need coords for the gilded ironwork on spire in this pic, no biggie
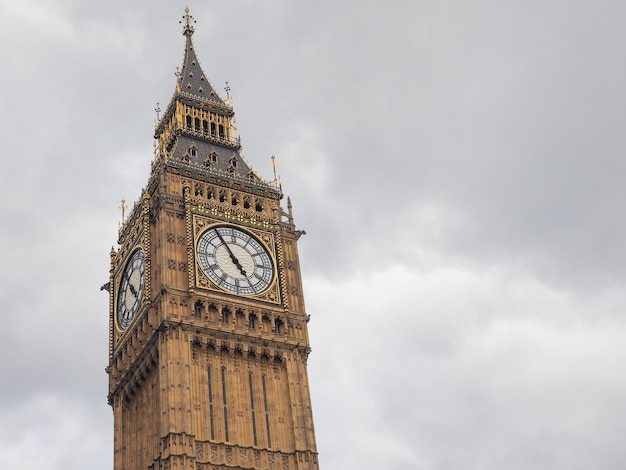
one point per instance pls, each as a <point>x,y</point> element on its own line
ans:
<point>188,29</point>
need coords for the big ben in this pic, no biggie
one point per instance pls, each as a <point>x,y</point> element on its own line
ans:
<point>208,329</point>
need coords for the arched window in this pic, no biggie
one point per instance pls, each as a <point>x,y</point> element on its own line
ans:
<point>266,324</point>
<point>279,326</point>
<point>240,318</point>
<point>225,315</point>
<point>213,312</point>
<point>197,309</point>
<point>252,321</point>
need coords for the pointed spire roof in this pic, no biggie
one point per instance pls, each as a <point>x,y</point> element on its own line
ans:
<point>197,132</point>
<point>191,78</point>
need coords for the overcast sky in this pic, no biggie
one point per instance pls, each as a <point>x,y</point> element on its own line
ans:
<point>457,165</point>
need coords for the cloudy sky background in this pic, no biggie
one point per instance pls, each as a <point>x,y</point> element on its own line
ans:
<point>458,168</point>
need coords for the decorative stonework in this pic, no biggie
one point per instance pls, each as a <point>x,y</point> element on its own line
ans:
<point>230,367</point>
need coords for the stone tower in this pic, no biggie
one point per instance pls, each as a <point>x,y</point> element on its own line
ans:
<point>208,330</point>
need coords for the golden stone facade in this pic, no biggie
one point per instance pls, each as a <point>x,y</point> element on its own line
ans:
<point>208,330</point>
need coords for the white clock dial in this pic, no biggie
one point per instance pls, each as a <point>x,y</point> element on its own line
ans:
<point>131,289</point>
<point>235,260</point>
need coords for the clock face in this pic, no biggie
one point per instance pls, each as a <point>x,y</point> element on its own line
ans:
<point>131,289</point>
<point>235,260</point>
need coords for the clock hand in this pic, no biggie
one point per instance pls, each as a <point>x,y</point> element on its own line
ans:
<point>233,258</point>
<point>133,293</point>
<point>132,289</point>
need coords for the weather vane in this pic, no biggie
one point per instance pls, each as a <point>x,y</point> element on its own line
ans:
<point>123,208</point>
<point>227,88</point>
<point>273,164</point>
<point>158,110</point>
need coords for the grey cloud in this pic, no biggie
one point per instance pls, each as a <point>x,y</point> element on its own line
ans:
<point>457,168</point>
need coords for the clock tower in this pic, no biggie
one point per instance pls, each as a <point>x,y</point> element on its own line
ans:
<point>208,330</point>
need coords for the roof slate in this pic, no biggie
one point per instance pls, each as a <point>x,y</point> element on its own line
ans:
<point>192,79</point>
<point>203,150</point>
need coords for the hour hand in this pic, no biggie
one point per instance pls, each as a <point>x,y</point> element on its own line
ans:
<point>237,263</point>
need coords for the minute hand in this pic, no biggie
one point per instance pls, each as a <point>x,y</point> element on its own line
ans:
<point>233,258</point>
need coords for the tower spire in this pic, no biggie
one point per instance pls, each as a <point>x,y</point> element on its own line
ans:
<point>190,77</point>
<point>198,128</point>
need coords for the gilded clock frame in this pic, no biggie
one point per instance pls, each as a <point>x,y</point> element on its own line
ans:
<point>117,281</point>
<point>264,237</point>
<point>120,280</point>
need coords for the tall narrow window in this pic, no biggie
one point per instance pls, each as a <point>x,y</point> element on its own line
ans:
<point>252,408</point>
<point>252,321</point>
<point>279,326</point>
<point>225,315</point>
<point>197,311</point>
<point>226,438</point>
<point>211,407</point>
<point>267,414</point>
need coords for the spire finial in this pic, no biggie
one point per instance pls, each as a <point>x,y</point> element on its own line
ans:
<point>188,28</point>
<point>289,210</point>
<point>123,208</point>
<point>276,178</point>
<point>273,165</point>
